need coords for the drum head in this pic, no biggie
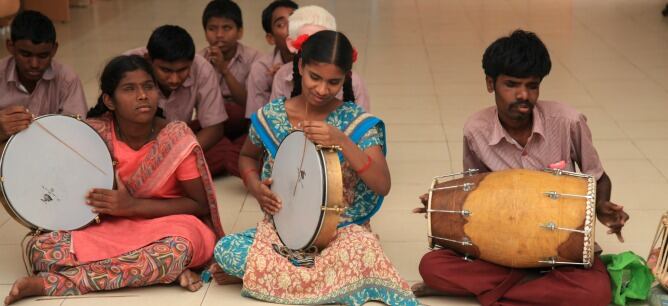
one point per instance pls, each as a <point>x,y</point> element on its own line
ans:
<point>303,193</point>
<point>45,182</point>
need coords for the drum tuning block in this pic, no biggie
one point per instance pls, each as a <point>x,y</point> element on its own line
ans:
<point>335,209</point>
<point>563,172</point>
<point>466,187</point>
<point>465,241</point>
<point>464,213</point>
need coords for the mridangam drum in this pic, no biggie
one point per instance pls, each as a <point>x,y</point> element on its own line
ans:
<point>48,169</point>
<point>515,218</point>
<point>658,254</point>
<point>307,178</point>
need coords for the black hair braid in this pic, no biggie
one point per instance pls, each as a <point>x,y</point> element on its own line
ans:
<point>348,93</point>
<point>296,77</point>
<point>99,109</point>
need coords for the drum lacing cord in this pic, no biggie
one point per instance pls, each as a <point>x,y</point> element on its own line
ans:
<point>24,251</point>
<point>299,258</point>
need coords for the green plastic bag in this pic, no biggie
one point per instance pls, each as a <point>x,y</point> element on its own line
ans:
<point>629,276</point>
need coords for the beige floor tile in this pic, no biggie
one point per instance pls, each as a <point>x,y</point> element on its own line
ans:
<point>617,149</point>
<point>416,172</point>
<point>153,295</point>
<point>633,171</point>
<point>11,264</point>
<point>653,149</point>
<point>449,300</point>
<point>11,232</point>
<point>415,132</point>
<point>662,165</point>
<point>641,196</point>
<point>626,92</point>
<point>422,151</point>
<point>602,124</point>
<point>384,102</point>
<point>246,220</point>
<point>600,69</point>
<point>404,90</point>
<point>640,130</point>
<point>404,197</point>
<point>632,112</point>
<point>405,256</point>
<point>413,226</point>
<point>415,116</point>
<point>228,295</point>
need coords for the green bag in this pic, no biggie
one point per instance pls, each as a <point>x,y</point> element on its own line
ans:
<point>629,276</point>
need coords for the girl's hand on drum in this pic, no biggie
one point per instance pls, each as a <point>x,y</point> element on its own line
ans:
<point>13,119</point>
<point>269,201</point>
<point>323,134</point>
<point>612,216</point>
<point>117,202</point>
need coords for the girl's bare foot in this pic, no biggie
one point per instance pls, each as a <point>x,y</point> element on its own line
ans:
<point>421,289</point>
<point>25,287</point>
<point>221,277</point>
<point>190,280</point>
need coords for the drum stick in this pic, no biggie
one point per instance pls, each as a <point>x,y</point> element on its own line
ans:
<point>73,297</point>
<point>68,146</point>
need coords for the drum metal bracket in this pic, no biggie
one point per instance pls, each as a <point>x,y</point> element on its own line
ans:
<point>558,172</point>
<point>553,227</point>
<point>464,213</point>
<point>468,172</point>
<point>555,195</point>
<point>329,148</point>
<point>553,261</point>
<point>465,241</point>
<point>466,187</point>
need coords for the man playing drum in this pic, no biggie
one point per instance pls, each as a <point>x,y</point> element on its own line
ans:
<point>31,82</point>
<point>524,132</point>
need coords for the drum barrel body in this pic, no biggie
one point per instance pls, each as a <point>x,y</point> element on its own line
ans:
<point>334,204</point>
<point>510,219</point>
<point>309,182</point>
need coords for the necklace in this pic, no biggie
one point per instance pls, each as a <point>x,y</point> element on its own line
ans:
<point>121,137</point>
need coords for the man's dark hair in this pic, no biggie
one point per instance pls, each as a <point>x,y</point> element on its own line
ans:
<point>269,11</point>
<point>171,43</point>
<point>33,26</point>
<point>223,9</point>
<point>520,55</point>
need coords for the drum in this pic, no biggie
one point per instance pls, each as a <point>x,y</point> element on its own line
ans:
<point>658,255</point>
<point>307,178</point>
<point>48,169</point>
<point>516,218</point>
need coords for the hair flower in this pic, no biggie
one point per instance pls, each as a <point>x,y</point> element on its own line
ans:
<point>297,43</point>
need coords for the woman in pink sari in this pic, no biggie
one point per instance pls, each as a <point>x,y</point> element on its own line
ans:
<point>159,221</point>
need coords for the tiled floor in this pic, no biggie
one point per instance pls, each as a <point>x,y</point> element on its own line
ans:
<point>421,62</point>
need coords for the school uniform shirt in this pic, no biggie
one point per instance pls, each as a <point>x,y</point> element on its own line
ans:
<point>199,93</point>
<point>58,92</point>
<point>259,82</point>
<point>239,66</point>
<point>282,87</point>
<point>559,133</point>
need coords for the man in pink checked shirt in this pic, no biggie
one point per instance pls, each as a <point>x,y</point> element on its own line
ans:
<point>524,132</point>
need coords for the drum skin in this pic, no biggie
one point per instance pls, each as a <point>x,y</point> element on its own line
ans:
<point>507,210</point>
<point>48,169</point>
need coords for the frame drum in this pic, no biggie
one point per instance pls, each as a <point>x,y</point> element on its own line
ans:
<point>308,181</point>
<point>48,169</point>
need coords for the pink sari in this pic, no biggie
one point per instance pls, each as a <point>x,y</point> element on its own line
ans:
<point>116,235</point>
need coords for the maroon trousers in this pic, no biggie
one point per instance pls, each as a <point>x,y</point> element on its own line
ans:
<point>447,271</point>
<point>223,157</point>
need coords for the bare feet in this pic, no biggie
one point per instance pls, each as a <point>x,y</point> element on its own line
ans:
<point>221,277</point>
<point>190,280</point>
<point>25,287</point>
<point>421,289</point>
